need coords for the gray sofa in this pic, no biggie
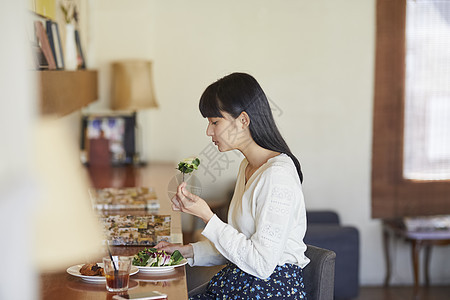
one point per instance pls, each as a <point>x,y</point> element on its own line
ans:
<point>325,231</point>
<point>318,275</point>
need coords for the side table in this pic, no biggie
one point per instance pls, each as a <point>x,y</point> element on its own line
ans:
<point>418,239</point>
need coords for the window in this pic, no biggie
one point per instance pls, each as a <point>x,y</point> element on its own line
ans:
<point>427,90</point>
<point>411,128</point>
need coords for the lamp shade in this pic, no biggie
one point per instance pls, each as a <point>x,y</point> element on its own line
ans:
<point>132,85</point>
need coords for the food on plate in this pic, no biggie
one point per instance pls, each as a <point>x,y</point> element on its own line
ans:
<point>188,165</point>
<point>150,257</point>
<point>92,270</point>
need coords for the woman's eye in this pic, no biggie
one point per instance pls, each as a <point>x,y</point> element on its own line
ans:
<point>214,123</point>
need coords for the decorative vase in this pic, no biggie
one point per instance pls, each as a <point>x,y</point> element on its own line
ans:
<point>71,48</point>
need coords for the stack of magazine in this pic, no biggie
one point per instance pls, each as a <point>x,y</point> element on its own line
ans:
<point>136,230</point>
<point>429,223</point>
<point>133,198</point>
<point>146,228</point>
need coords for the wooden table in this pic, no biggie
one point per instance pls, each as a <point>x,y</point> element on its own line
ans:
<point>62,285</point>
<point>418,239</point>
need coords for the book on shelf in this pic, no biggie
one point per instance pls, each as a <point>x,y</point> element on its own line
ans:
<point>41,35</point>
<point>38,58</point>
<point>81,60</point>
<point>55,43</point>
<point>48,30</point>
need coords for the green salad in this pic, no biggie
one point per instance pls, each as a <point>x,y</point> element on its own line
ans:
<point>188,165</point>
<point>150,257</point>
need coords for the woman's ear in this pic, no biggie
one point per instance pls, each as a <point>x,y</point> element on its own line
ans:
<point>244,119</point>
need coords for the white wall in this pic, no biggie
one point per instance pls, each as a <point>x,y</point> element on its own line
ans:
<point>315,60</point>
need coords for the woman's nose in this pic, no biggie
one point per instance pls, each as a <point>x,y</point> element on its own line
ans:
<point>209,131</point>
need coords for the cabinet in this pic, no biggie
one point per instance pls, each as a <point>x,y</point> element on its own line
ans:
<point>63,92</point>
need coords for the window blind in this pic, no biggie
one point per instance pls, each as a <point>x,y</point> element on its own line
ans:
<point>427,91</point>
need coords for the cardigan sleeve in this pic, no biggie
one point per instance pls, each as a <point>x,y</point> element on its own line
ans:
<point>274,202</point>
<point>205,254</point>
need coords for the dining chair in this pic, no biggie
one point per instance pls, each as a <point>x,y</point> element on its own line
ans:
<point>198,278</point>
<point>318,275</point>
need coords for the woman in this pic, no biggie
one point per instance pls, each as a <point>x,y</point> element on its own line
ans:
<point>262,243</point>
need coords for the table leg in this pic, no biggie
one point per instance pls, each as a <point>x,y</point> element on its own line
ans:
<point>427,264</point>
<point>416,245</point>
<point>387,257</point>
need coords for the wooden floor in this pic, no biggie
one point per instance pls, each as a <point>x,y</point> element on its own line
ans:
<point>404,293</point>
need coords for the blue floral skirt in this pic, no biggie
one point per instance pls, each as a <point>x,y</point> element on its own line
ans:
<point>286,282</point>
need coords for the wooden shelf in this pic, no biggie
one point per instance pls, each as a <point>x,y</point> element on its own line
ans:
<point>63,92</point>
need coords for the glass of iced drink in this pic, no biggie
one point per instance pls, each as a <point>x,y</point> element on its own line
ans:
<point>117,272</point>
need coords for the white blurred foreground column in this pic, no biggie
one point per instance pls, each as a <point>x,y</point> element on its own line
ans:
<point>18,280</point>
<point>66,229</point>
<point>45,216</point>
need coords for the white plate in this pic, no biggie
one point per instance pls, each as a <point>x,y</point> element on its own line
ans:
<point>163,268</point>
<point>75,271</point>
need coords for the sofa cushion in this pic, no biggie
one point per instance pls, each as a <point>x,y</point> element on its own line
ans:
<point>322,216</point>
<point>344,241</point>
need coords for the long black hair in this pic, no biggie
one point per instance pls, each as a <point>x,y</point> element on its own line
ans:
<point>240,92</point>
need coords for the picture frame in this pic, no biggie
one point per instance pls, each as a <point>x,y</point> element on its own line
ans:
<point>116,129</point>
